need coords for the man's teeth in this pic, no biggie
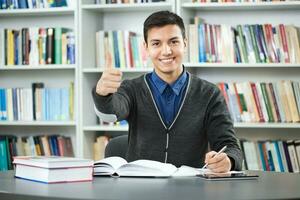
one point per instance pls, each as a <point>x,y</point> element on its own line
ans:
<point>167,60</point>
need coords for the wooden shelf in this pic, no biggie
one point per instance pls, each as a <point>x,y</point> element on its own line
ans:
<point>244,6</point>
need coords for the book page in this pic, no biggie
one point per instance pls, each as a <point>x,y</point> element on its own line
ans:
<point>109,165</point>
<point>147,168</point>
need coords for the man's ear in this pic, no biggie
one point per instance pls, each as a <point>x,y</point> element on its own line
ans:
<point>145,44</point>
<point>185,42</point>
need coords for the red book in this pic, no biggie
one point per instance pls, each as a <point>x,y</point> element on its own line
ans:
<point>284,43</point>
<point>256,99</point>
<point>212,43</point>
<point>223,90</point>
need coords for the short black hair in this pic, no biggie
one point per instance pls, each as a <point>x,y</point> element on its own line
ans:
<point>163,18</point>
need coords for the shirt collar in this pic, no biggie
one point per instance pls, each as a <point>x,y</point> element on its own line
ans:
<point>176,86</point>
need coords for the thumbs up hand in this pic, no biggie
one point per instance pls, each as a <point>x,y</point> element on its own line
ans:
<point>110,80</point>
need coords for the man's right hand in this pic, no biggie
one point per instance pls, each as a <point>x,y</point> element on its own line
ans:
<point>110,80</point>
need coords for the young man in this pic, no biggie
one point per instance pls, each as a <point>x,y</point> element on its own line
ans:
<point>172,114</point>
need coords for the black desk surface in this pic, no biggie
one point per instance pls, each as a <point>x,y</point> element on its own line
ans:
<point>269,185</point>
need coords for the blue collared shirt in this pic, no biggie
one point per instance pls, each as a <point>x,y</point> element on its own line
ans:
<point>168,98</point>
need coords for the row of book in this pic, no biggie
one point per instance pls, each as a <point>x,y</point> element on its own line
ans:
<point>37,103</point>
<point>42,145</point>
<point>257,43</point>
<point>23,4</point>
<point>33,46</point>
<point>277,155</point>
<point>124,48</point>
<point>262,102</point>
<point>239,1</point>
<point>126,1</point>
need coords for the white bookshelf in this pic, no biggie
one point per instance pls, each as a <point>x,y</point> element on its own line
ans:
<point>87,18</point>
<point>248,13</point>
<point>51,75</point>
<point>243,6</point>
<point>38,67</point>
<point>93,18</point>
<point>128,7</point>
<point>37,12</point>
<point>37,123</point>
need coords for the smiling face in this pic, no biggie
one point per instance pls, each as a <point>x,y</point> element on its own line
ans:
<point>166,47</point>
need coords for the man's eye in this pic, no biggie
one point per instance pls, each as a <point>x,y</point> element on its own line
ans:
<point>155,44</point>
<point>175,42</point>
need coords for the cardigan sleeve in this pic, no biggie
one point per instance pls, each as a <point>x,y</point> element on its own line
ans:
<point>114,107</point>
<point>219,128</point>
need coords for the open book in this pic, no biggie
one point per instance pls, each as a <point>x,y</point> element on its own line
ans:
<point>117,166</point>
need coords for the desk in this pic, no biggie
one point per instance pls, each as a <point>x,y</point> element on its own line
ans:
<point>270,185</point>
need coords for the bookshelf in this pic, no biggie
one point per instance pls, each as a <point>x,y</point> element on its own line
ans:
<point>93,18</point>
<point>248,13</point>
<point>86,18</point>
<point>53,76</point>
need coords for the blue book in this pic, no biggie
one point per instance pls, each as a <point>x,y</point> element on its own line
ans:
<point>64,104</point>
<point>70,48</point>
<point>4,103</point>
<point>261,153</point>
<point>278,156</point>
<point>60,3</point>
<point>270,161</point>
<point>55,145</point>
<point>116,49</point>
<point>15,103</point>
<point>3,154</point>
<point>1,111</point>
<point>23,4</point>
<point>201,36</point>
<point>44,104</point>
<point>3,4</point>
<point>51,145</point>
<point>56,104</point>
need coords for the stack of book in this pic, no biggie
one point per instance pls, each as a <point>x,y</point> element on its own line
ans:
<point>126,1</point>
<point>31,4</point>
<point>238,1</point>
<point>125,48</point>
<point>43,145</point>
<point>263,102</point>
<point>276,155</point>
<point>33,46</point>
<point>258,43</point>
<point>37,103</point>
<point>53,169</point>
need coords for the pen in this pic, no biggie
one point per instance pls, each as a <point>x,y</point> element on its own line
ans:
<point>221,151</point>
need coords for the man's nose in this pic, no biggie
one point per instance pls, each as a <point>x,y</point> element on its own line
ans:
<point>166,49</point>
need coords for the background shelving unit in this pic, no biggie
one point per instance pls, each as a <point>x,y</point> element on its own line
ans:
<point>86,19</point>
<point>93,18</point>
<point>50,75</point>
<point>248,13</point>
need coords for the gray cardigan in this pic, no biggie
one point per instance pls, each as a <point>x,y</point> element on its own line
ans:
<point>202,118</point>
